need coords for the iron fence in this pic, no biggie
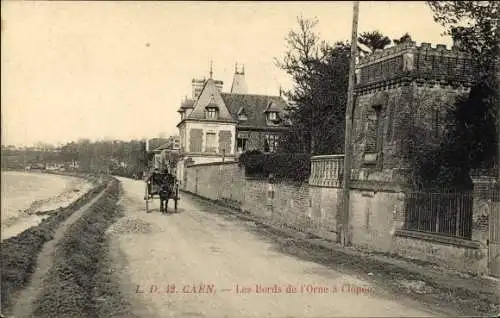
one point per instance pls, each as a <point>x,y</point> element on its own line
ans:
<point>448,214</point>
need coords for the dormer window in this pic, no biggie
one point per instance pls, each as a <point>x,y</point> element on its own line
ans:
<point>272,116</point>
<point>212,109</point>
<point>211,113</point>
<point>242,116</point>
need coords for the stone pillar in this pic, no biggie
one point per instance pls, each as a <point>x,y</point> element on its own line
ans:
<point>270,196</point>
<point>484,187</point>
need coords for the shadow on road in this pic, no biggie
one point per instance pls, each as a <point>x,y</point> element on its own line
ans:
<point>170,211</point>
<point>387,277</point>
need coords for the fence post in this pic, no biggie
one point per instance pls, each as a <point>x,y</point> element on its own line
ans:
<point>457,219</point>
<point>196,181</point>
<point>438,210</point>
<point>414,206</point>
<point>219,188</point>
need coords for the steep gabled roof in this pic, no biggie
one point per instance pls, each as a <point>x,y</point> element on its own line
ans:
<point>254,106</point>
<point>210,95</point>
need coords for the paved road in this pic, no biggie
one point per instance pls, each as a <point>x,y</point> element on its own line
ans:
<point>220,268</point>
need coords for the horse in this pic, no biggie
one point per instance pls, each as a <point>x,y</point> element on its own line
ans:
<point>166,191</point>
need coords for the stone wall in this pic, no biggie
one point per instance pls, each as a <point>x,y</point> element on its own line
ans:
<point>377,213</point>
<point>465,256</point>
<point>281,202</point>
<point>373,218</point>
<point>215,181</point>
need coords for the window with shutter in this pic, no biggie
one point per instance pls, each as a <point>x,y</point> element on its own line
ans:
<point>210,142</point>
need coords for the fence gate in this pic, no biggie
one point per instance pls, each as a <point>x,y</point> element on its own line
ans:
<point>494,239</point>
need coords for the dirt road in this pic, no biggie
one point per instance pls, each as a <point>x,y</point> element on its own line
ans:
<point>200,264</point>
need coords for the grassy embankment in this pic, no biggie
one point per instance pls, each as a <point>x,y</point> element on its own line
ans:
<point>19,254</point>
<point>78,256</point>
<point>80,280</point>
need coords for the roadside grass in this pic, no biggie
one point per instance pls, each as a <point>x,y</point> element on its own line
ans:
<point>81,276</point>
<point>19,254</point>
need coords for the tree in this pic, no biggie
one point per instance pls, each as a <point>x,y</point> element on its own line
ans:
<point>373,40</point>
<point>317,101</point>
<point>302,50</point>
<point>403,39</point>
<point>471,141</point>
<point>473,24</point>
<point>467,145</point>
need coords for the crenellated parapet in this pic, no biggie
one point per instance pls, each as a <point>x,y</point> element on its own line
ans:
<point>407,62</point>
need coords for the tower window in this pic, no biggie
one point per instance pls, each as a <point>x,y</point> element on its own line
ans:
<point>374,131</point>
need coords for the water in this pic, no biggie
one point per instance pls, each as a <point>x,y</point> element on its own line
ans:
<point>23,190</point>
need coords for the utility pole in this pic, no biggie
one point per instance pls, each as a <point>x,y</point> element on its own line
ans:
<point>497,88</point>
<point>344,231</point>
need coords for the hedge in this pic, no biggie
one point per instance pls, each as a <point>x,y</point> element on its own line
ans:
<point>291,166</point>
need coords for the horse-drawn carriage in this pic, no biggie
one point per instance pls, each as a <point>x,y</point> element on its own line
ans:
<point>161,184</point>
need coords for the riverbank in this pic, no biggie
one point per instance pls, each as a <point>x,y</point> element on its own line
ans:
<point>20,253</point>
<point>28,197</point>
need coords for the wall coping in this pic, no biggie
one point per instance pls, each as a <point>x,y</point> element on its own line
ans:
<point>277,181</point>
<point>329,186</point>
<point>378,186</point>
<point>447,240</point>
<point>322,157</point>
<point>207,154</point>
<point>213,164</point>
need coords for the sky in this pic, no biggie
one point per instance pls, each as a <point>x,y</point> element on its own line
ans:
<point>119,70</point>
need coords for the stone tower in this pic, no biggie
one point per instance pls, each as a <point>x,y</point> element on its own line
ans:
<point>403,93</point>
<point>239,83</point>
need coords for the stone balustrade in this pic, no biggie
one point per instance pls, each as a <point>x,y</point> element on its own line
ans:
<point>327,171</point>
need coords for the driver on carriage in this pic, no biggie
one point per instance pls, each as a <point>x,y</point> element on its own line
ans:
<point>157,178</point>
<point>154,179</point>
